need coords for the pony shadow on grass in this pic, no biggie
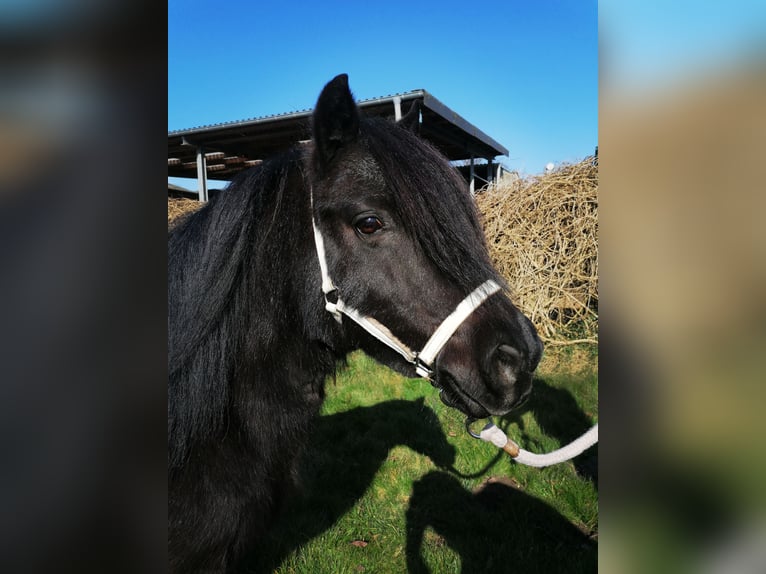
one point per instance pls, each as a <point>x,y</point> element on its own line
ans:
<point>495,529</point>
<point>348,448</point>
<point>559,416</point>
<point>346,451</point>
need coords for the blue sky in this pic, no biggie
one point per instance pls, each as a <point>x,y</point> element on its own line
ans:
<point>526,73</point>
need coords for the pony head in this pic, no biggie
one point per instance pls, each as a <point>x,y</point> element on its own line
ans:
<point>403,244</point>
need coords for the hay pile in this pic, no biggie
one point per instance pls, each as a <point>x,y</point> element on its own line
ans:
<point>542,237</point>
<point>180,206</point>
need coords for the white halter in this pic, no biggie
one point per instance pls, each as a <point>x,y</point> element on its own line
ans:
<point>423,360</point>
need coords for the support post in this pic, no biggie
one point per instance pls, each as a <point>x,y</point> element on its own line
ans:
<point>397,108</point>
<point>201,175</point>
<point>489,171</point>
<point>471,178</point>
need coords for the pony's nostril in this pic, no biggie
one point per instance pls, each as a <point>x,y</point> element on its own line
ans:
<point>508,355</point>
<point>511,377</point>
<point>507,365</point>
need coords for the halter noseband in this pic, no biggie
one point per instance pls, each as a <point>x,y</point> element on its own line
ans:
<point>422,360</point>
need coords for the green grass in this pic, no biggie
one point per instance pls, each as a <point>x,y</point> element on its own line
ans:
<point>392,483</point>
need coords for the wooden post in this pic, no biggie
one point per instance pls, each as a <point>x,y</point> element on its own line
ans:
<point>489,171</point>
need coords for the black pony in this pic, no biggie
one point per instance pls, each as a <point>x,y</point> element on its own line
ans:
<point>251,344</point>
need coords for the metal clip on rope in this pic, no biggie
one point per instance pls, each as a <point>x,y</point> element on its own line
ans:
<point>493,434</point>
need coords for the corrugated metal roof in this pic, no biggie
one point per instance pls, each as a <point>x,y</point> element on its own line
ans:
<point>241,143</point>
<point>297,113</point>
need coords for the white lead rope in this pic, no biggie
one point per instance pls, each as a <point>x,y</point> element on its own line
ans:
<point>492,434</point>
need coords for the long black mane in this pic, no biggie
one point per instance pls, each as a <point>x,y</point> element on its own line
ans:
<point>209,251</point>
<point>236,269</point>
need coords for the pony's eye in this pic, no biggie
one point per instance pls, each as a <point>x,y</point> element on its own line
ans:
<point>368,224</point>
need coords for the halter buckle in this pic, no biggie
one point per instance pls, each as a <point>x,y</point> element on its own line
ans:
<point>331,299</point>
<point>422,368</point>
<point>469,426</point>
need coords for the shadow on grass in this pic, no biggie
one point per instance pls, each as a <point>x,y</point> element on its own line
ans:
<point>559,416</point>
<point>496,529</point>
<point>346,452</point>
<point>498,525</point>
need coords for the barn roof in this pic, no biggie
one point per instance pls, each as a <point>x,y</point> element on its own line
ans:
<point>230,147</point>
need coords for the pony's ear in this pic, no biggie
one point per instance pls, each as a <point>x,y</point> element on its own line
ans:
<point>411,120</point>
<point>335,121</point>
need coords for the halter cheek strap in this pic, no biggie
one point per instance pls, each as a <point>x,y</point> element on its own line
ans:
<point>422,360</point>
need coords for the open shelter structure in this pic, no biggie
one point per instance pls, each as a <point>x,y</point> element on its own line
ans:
<point>220,151</point>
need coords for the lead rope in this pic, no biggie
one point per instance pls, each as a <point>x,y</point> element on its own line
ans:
<point>492,434</point>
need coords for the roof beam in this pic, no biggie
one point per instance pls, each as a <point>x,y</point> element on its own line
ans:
<point>439,108</point>
<point>440,135</point>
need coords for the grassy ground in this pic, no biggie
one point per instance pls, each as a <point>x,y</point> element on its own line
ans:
<point>393,483</point>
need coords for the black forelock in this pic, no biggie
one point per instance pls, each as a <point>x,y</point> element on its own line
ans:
<point>433,202</point>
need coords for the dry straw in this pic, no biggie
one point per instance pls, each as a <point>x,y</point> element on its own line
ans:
<point>180,206</point>
<point>541,233</point>
<point>542,237</point>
